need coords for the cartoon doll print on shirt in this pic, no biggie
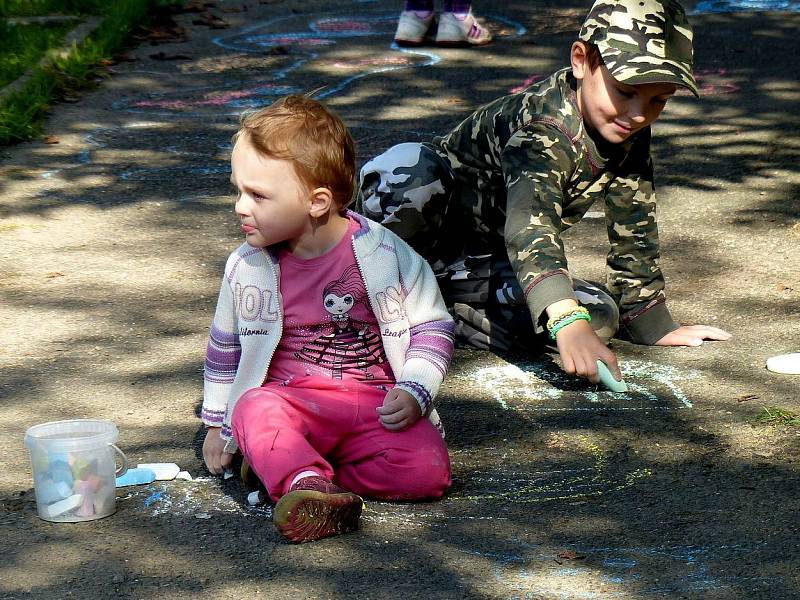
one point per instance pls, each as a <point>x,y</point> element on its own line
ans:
<point>345,343</point>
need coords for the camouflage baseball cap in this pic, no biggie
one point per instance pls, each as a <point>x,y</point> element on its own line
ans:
<point>642,41</point>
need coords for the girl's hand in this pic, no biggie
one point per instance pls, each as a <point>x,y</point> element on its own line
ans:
<point>693,335</point>
<point>400,410</point>
<point>216,460</point>
<point>580,348</point>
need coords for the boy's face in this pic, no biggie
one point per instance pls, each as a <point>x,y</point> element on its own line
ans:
<point>613,109</point>
<point>272,203</point>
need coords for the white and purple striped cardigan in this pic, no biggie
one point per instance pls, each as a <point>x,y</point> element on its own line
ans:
<point>416,328</point>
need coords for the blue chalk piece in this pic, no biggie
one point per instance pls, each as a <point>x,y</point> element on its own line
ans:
<point>607,379</point>
<point>60,471</point>
<point>154,497</point>
<point>137,476</point>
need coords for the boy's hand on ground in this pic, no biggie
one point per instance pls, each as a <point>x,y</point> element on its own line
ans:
<point>400,410</point>
<point>580,348</point>
<point>216,460</point>
<point>693,335</point>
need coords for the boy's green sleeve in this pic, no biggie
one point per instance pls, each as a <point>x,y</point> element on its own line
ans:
<point>634,277</point>
<point>536,164</point>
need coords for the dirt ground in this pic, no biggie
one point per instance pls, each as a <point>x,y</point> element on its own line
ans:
<point>112,244</point>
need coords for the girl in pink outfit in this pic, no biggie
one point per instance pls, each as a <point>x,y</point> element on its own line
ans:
<point>330,339</point>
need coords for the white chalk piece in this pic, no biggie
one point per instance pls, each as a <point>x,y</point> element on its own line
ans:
<point>255,498</point>
<point>227,475</point>
<point>163,471</point>
<point>137,476</point>
<point>607,379</point>
<point>62,507</point>
<point>185,475</point>
<point>788,364</point>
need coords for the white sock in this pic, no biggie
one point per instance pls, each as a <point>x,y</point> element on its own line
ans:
<point>423,14</point>
<point>303,475</point>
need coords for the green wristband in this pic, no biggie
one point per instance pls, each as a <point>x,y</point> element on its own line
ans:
<point>576,316</point>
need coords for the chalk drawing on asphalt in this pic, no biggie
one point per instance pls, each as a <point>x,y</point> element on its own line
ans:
<point>202,498</point>
<point>726,6</point>
<point>530,387</point>
<point>536,571</point>
<point>307,44</point>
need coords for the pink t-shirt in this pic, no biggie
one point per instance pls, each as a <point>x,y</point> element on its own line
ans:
<point>329,328</point>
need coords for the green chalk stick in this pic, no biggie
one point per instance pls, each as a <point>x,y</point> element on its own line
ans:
<point>608,380</point>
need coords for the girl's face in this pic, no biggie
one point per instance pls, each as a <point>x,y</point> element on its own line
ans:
<point>338,305</point>
<point>272,204</point>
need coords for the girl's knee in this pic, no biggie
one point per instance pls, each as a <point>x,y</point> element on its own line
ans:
<point>421,474</point>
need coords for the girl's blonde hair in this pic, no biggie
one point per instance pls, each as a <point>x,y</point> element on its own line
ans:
<point>315,140</point>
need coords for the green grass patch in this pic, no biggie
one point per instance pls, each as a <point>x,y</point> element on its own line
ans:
<point>34,8</point>
<point>22,112</point>
<point>21,47</point>
<point>777,416</point>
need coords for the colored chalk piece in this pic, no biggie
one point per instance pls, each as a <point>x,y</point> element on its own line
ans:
<point>62,507</point>
<point>163,471</point>
<point>787,364</point>
<point>607,379</point>
<point>49,491</point>
<point>137,476</point>
<point>256,498</point>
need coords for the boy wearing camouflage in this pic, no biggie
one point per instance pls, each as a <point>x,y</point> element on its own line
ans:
<point>487,203</point>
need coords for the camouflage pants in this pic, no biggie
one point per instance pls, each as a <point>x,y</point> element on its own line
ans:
<point>409,189</point>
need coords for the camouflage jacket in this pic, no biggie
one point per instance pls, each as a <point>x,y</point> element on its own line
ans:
<point>526,170</point>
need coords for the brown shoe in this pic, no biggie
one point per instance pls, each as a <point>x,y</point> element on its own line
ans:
<point>314,508</point>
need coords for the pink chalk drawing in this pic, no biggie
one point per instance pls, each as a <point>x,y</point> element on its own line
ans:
<point>345,26</point>
<point>253,97</point>
<point>216,99</point>
<point>712,82</point>
<point>289,40</point>
<point>525,84</point>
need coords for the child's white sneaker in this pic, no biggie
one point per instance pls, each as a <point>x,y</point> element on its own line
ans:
<point>461,32</point>
<point>412,29</point>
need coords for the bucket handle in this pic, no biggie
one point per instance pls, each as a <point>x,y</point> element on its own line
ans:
<point>123,469</point>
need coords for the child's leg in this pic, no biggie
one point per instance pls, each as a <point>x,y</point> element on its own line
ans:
<point>412,464</point>
<point>284,430</point>
<point>458,7</point>
<point>423,6</point>
<point>490,310</point>
<point>408,190</point>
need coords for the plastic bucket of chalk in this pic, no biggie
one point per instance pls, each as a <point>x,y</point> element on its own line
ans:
<point>74,469</point>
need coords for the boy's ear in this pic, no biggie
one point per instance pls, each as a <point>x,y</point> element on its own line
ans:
<point>579,59</point>
<point>321,202</point>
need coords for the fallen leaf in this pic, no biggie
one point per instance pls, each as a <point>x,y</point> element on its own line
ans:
<point>53,274</point>
<point>164,56</point>
<point>106,62</point>
<point>211,20</point>
<point>782,287</point>
<point>747,397</point>
<point>571,555</point>
<point>50,139</point>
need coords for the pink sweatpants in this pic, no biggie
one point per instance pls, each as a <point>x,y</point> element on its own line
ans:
<point>331,427</point>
